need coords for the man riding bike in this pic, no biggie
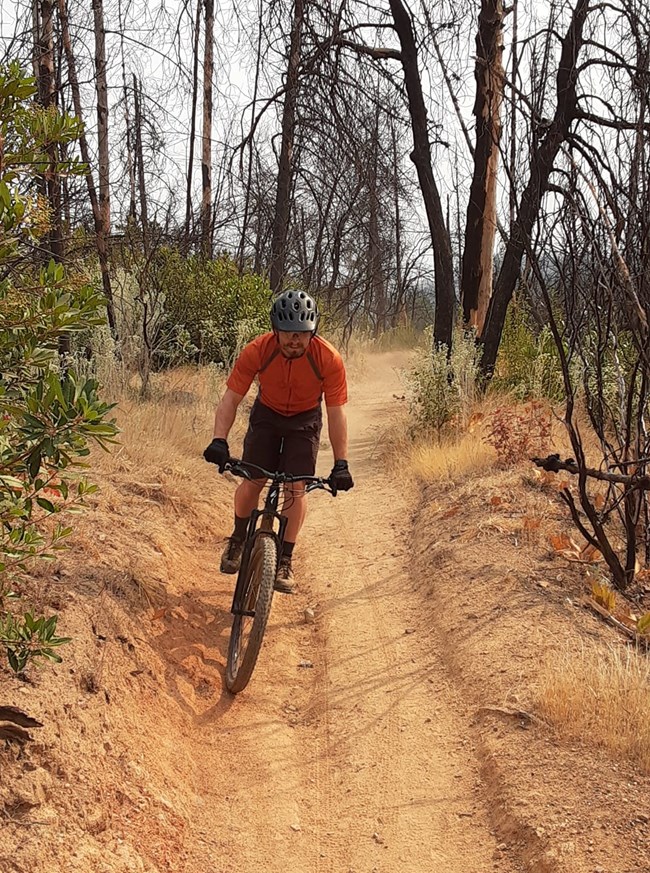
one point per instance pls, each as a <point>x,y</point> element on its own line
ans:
<point>295,368</point>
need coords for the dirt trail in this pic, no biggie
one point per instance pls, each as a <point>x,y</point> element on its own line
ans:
<point>363,761</point>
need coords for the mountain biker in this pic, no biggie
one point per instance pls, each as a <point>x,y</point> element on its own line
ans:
<point>295,368</point>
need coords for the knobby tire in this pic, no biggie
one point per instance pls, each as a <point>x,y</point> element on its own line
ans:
<point>242,653</point>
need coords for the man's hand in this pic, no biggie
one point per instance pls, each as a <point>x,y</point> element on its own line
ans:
<point>217,453</point>
<point>340,478</point>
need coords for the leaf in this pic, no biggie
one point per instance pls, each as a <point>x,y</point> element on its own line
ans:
<point>496,500</point>
<point>46,504</point>
<point>560,542</point>
<point>35,462</point>
<point>643,624</point>
<point>591,554</point>
<point>159,614</point>
<point>531,523</point>
<point>599,501</point>
<point>603,595</point>
<point>450,513</point>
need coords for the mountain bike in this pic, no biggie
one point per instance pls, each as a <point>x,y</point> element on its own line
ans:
<point>251,603</point>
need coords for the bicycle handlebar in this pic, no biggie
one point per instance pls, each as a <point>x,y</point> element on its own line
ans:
<point>241,468</point>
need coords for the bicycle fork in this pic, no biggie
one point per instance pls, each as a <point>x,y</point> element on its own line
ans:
<point>265,528</point>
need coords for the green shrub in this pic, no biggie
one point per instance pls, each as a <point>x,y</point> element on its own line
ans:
<point>219,309</point>
<point>443,387</point>
<point>48,414</point>
<point>528,364</point>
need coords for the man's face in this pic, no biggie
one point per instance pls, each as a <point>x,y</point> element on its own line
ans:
<point>293,344</point>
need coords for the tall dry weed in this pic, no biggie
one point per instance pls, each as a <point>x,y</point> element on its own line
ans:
<point>601,696</point>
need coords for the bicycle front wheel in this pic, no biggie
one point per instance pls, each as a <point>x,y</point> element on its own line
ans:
<point>248,630</point>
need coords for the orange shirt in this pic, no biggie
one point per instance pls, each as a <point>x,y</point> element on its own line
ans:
<point>289,386</point>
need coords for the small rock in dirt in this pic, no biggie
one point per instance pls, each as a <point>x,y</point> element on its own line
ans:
<point>378,838</point>
<point>642,818</point>
<point>310,615</point>
<point>502,847</point>
<point>296,827</point>
<point>305,664</point>
<point>409,630</point>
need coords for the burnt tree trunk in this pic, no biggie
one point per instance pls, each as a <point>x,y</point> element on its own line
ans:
<point>100,239</point>
<point>104,202</point>
<point>480,228</point>
<point>285,169</point>
<point>541,167</point>
<point>190,159</point>
<point>139,164</point>
<point>47,98</point>
<point>206,157</point>
<point>421,156</point>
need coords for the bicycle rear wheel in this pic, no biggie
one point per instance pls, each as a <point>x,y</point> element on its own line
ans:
<point>248,631</point>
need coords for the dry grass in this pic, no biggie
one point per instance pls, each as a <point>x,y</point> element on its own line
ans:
<point>451,459</point>
<point>159,506</point>
<point>601,696</point>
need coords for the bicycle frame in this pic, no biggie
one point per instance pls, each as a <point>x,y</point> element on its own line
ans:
<point>268,515</point>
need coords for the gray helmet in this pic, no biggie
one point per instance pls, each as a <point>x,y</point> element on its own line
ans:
<point>294,311</point>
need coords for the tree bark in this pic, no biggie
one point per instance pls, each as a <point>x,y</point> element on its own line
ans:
<point>47,98</point>
<point>375,281</point>
<point>100,238</point>
<point>249,174</point>
<point>139,163</point>
<point>190,159</point>
<point>206,158</point>
<point>421,156</point>
<point>541,167</point>
<point>480,228</point>
<point>101,85</point>
<point>285,169</point>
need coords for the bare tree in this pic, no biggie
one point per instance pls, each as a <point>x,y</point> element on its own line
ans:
<point>190,159</point>
<point>101,85</point>
<point>480,226</point>
<point>100,235</point>
<point>285,168</point>
<point>542,162</point>
<point>206,154</point>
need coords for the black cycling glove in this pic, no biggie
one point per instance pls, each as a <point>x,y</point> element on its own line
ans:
<point>217,453</point>
<point>340,478</point>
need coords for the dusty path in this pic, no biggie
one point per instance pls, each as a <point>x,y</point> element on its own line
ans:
<point>364,761</point>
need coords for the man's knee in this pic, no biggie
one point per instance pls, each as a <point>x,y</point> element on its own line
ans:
<point>252,487</point>
<point>294,489</point>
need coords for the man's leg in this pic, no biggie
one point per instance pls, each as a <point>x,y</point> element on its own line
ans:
<point>261,447</point>
<point>247,497</point>
<point>294,508</point>
<point>246,500</point>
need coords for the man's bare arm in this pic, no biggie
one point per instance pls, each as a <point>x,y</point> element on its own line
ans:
<point>224,417</point>
<point>337,426</point>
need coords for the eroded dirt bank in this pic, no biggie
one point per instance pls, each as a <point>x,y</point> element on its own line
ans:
<point>379,737</point>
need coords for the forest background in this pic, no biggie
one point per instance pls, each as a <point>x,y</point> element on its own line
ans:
<point>478,168</point>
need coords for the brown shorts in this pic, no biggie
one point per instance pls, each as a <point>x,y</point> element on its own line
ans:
<point>288,443</point>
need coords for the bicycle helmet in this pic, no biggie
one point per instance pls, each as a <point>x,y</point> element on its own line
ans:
<point>295,311</point>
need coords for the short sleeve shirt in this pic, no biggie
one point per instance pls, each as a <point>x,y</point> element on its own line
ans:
<point>290,386</point>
